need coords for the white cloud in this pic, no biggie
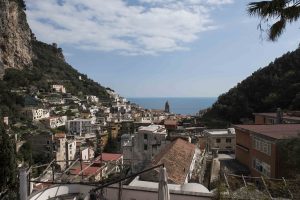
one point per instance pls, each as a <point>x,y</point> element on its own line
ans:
<point>146,27</point>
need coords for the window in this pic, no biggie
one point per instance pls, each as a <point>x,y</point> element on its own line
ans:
<point>261,167</point>
<point>262,145</point>
<point>145,147</point>
<point>218,140</point>
<point>228,140</point>
<point>145,136</point>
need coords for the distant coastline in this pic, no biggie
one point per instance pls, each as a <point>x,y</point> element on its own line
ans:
<point>178,105</point>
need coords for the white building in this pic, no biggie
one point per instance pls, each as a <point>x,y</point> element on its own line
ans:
<point>70,150</point>
<point>36,114</point>
<point>59,88</point>
<point>92,99</point>
<point>139,149</point>
<point>54,122</point>
<point>81,126</point>
<point>87,154</point>
<point>220,139</point>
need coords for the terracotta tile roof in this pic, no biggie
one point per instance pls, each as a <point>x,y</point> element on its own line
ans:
<point>276,131</point>
<point>60,135</point>
<point>170,122</point>
<point>177,158</point>
<point>87,172</point>
<point>110,157</point>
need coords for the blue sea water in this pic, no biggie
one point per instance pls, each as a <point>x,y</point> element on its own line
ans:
<point>178,105</point>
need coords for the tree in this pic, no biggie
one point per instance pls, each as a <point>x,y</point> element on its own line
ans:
<point>8,177</point>
<point>283,11</point>
<point>289,151</point>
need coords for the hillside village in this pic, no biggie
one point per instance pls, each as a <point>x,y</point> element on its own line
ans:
<point>90,141</point>
<point>64,136</point>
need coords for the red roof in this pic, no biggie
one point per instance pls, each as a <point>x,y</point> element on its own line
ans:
<point>170,122</point>
<point>87,172</point>
<point>60,135</point>
<point>109,157</point>
<point>276,131</point>
<point>177,158</point>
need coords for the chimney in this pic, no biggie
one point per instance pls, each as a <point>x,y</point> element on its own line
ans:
<point>279,116</point>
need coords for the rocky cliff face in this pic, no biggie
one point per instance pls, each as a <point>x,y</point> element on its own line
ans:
<point>15,36</point>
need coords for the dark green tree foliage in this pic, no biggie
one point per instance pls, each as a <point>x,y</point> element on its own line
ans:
<point>8,177</point>
<point>289,151</point>
<point>282,11</point>
<point>25,153</point>
<point>277,85</point>
<point>49,67</point>
<point>112,144</point>
<point>98,145</point>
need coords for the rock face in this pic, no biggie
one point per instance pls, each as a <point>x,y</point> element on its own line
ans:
<point>15,36</point>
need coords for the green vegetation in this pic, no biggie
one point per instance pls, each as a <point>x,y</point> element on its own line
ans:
<point>280,11</point>
<point>112,144</point>
<point>8,176</point>
<point>25,153</point>
<point>289,151</point>
<point>49,67</point>
<point>277,85</point>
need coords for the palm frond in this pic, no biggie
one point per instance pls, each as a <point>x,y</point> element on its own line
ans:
<point>291,13</point>
<point>277,29</point>
<point>265,9</point>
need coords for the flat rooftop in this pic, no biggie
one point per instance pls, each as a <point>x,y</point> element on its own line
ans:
<point>276,131</point>
<point>220,131</point>
<point>152,128</point>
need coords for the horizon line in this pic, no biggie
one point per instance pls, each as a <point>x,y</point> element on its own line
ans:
<point>168,97</point>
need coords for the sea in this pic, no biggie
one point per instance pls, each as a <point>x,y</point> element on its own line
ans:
<point>178,105</point>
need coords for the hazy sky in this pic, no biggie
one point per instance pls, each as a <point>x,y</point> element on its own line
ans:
<point>155,48</point>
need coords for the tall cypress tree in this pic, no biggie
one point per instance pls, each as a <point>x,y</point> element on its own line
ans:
<point>8,176</point>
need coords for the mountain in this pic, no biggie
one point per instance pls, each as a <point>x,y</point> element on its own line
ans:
<point>276,85</point>
<point>30,64</point>
<point>15,36</point>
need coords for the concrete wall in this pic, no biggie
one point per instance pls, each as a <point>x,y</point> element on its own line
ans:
<point>111,193</point>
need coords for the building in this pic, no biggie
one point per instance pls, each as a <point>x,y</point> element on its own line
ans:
<point>55,122</point>
<point>59,88</point>
<point>171,124</point>
<point>87,154</point>
<point>220,140</point>
<point>292,117</point>
<point>70,150</point>
<point>91,172</point>
<point>53,146</point>
<point>179,159</point>
<point>80,126</point>
<point>256,147</point>
<point>36,114</point>
<point>92,99</point>
<point>58,142</point>
<point>140,149</point>
<point>114,162</point>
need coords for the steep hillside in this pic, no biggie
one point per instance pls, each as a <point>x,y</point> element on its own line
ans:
<point>15,36</point>
<point>33,65</point>
<point>277,85</point>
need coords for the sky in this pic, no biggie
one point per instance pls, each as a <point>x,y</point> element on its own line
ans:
<point>159,48</point>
